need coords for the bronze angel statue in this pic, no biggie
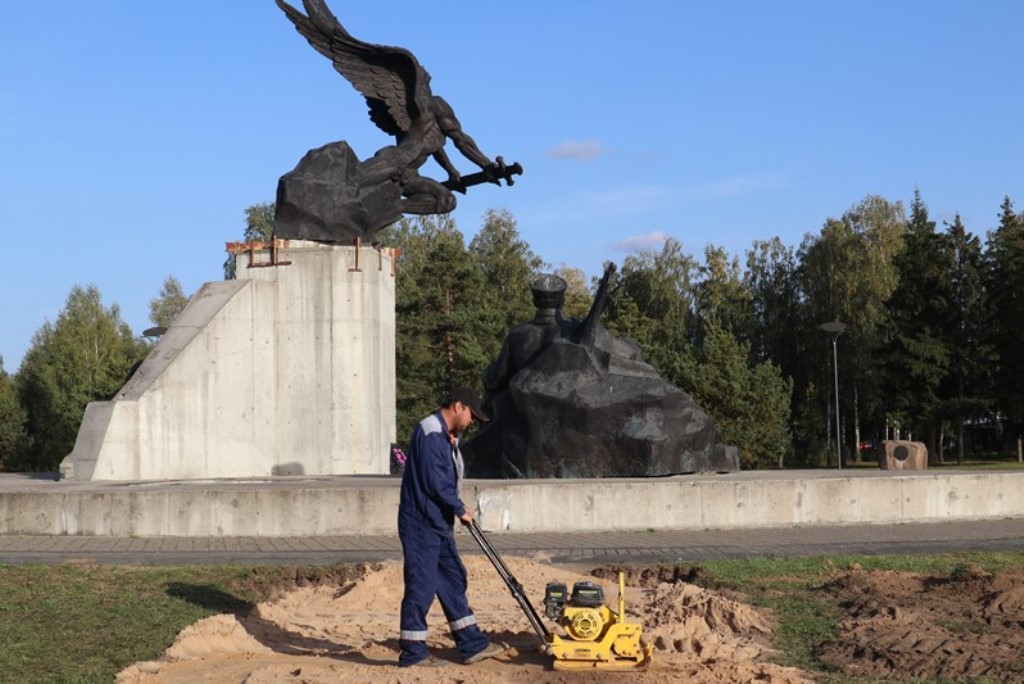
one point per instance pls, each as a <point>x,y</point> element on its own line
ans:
<point>332,195</point>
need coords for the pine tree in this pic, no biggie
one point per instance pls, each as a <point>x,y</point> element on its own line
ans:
<point>777,331</point>
<point>771,280</point>
<point>655,306</point>
<point>722,293</point>
<point>1005,283</point>
<point>750,404</point>
<point>442,335</point>
<point>966,385</point>
<point>917,353</point>
<point>508,265</point>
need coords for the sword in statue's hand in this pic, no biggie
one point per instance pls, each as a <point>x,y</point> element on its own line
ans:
<point>494,173</point>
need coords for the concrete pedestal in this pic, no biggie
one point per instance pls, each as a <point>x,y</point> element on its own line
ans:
<point>287,370</point>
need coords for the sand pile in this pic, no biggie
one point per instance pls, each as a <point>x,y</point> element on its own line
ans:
<point>349,634</point>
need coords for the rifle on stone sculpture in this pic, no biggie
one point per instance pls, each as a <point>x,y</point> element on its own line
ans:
<point>603,297</point>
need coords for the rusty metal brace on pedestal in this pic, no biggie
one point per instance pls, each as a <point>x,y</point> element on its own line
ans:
<point>252,247</point>
<point>358,243</point>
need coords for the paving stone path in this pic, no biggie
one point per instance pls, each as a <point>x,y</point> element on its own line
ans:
<point>640,547</point>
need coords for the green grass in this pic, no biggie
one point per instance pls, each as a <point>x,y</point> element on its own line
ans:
<point>973,464</point>
<point>67,623</point>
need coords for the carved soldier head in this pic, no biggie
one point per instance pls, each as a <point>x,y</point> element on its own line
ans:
<point>548,291</point>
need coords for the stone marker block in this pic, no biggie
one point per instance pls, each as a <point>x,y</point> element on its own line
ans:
<point>902,455</point>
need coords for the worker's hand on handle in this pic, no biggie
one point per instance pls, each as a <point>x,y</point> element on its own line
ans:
<point>467,517</point>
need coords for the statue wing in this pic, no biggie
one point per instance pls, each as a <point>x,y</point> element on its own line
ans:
<point>394,84</point>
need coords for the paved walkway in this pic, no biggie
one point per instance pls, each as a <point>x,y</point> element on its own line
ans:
<point>590,548</point>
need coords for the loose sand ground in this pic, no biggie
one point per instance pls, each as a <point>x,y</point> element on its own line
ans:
<point>349,634</point>
<point>966,626</point>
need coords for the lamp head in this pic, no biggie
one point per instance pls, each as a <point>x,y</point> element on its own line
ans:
<point>833,327</point>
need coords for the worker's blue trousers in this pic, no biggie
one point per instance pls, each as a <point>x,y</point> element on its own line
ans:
<point>433,568</point>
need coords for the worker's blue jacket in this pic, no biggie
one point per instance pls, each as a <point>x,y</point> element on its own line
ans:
<point>432,477</point>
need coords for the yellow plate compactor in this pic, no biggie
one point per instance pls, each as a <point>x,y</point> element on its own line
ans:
<point>593,636</point>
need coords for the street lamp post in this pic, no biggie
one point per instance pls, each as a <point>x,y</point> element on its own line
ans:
<point>835,329</point>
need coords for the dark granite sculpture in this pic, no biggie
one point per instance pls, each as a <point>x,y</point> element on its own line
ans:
<point>569,399</point>
<point>332,196</point>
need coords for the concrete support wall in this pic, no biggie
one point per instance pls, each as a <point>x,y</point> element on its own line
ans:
<point>331,505</point>
<point>726,502</point>
<point>287,370</point>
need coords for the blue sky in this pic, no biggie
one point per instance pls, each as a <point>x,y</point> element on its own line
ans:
<point>134,134</point>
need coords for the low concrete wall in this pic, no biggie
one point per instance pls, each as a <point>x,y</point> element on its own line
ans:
<point>322,506</point>
<point>288,370</point>
<point>725,502</point>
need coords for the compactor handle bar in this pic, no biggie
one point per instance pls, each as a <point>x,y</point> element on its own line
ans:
<point>511,582</point>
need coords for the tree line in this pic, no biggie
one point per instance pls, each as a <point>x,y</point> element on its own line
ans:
<point>933,322</point>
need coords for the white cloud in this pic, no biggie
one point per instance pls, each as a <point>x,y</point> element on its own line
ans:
<point>580,150</point>
<point>639,243</point>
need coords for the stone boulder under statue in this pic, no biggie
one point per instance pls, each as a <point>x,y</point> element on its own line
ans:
<point>323,199</point>
<point>569,399</point>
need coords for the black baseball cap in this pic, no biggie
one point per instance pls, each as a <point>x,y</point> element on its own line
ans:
<point>468,397</point>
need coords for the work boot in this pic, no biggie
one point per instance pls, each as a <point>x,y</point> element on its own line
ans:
<point>493,650</point>
<point>430,661</point>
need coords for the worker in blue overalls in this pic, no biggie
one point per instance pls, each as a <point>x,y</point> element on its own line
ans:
<point>430,502</point>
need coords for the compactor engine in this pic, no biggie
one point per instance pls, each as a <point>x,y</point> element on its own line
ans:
<point>595,636</point>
